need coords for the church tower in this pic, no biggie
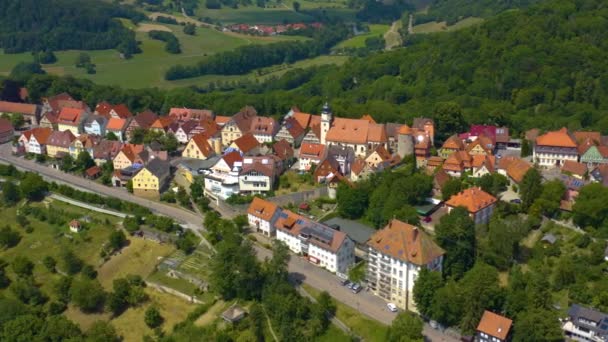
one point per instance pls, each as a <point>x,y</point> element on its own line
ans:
<point>405,141</point>
<point>326,119</point>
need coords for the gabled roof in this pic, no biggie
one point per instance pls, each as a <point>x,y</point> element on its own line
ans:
<point>106,149</point>
<point>585,144</point>
<point>122,111</point>
<point>458,161</point>
<point>352,131</point>
<point>382,153</point>
<point>70,116</point>
<point>100,119</point>
<point>264,165</point>
<point>376,133</point>
<point>319,234</point>
<point>158,167</point>
<point>61,139</point>
<point>434,161</point>
<point>221,120</point>
<point>105,108</point>
<point>116,124</point>
<point>515,167</point>
<point>264,125</point>
<point>368,118</point>
<point>283,149</point>
<point>131,151</point>
<point>358,166</point>
<point>41,134</point>
<point>559,138</point>
<point>494,325</point>
<point>440,178</point>
<point>185,114</point>
<point>246,142</point>
<point>419,123</point>
<point>232,157</point>
<point>163,122</point>
<point>483,160</point>
<point>201,142</point>
<point>310,150</point>
<point>405,242</point>
<point>188,126</point>
<point>581,136</point>
<point>474,199</point>
<point>392,129</point>
<point>293,127</point>
<point>453,143</point>
<point>483,143</point>
<point>575,168</point>
<point>145,119</point>
<point>19,108</point>
<point>302,118</point>
<point>243,118</point>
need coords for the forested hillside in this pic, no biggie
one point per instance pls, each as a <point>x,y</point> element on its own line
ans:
<point>451,11</point>
<point>542,67</point>
<point>33,25</point>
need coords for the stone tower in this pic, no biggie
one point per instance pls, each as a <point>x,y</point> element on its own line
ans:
<point>405,141</point>
<point>326,119</point>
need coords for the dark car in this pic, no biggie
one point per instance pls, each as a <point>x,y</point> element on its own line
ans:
<point>344,282</point>
<point>357,288</point>
<point>516,201</point>
<point>427,219</point>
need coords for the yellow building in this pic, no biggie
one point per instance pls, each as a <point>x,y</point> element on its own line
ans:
<point>150,181</point>
<point>198,148</point>
<point>58,143</point>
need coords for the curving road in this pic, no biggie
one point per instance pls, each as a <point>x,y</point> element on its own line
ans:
<point>364,302</point>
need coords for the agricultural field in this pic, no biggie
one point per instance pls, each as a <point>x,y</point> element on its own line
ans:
<point>146,69</point>
<point>375,30</point>
<point>275,13</point>
<point>434,27</point>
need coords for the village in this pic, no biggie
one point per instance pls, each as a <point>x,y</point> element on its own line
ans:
<point>244,156</point>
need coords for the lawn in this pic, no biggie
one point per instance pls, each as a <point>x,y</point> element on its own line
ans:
<point>433,27</point>
<point>334,334</point>
<point>359,41</point>
<point>173,309</point>
<point>362,326</point>
<point>139,258</point>
<point>147,68</point>
<point>291,181</point>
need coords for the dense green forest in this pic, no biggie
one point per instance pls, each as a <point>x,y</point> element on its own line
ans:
<point>453,10</point>
<point>31,25</point>
<point>250,57</point>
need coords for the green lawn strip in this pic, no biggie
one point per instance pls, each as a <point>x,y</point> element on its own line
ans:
<point>359,41</point>
<point>367,328</point>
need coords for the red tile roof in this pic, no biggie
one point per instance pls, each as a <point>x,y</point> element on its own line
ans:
<point>262,209</point>
<point>494,325</point>
<point>309,150</point>
<point>145,119</point>
<point>515,167</point>
<point>246,142</point>
<point>302,118</point>
<point>18,108</point>
<point>116,124</point>
<point>41,134</point>
<point>293,127</point>
<point>474,199</point>
<point>185,114</point>
<point>581,136</point>
<point>70,116</point>
<point>405,242</point>
<point>559,138</point>
<point>283,149</point>
<point>453,143</point>
<point>232,157</point>
<point>575,168</point>
<point>264,125</point>
<point>61,139</point>
<point>350,131</point>
<point>201,142</point>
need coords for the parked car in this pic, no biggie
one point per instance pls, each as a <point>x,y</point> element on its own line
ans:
<point>350,285</point>
<point>427,219</point>
<point>357,288</point>
<point>344,282</point>
<point>392,307</point>
<point>516,201</point>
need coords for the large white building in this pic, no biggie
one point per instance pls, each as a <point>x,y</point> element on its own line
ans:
<point>552,149</point>
<point>322,245</point>
<point>258,175</point>
<point>222,181</point>
<point>262,216</point>
<point>396,254</point>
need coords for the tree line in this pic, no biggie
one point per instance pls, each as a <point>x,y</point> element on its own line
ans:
<point>171,42</point>
<point>64,24</point>
<point>451,11</point>
<point>250,57</point>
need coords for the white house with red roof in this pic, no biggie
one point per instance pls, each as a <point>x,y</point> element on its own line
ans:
<point>72,119</point>
<point>262,215</point>
<point>320,244</point>
<point>552,149</point>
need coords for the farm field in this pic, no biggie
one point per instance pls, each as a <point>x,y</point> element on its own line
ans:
<point>147,68</point>
<point>359,41</point>
<point>433,27</point>
<point>275,13</point>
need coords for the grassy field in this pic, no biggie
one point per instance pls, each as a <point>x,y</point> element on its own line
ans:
<point>433,27</point>
<point>275,13</point>
<point>139,258</point>
<point>147,68</point>
<point>362,326</point>
<point>359,41</point>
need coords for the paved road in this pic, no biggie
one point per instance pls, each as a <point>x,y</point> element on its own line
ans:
<point>191,219</point>
<point>366,303</point>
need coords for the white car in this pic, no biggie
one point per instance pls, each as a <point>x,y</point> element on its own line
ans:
<point>392,307</point>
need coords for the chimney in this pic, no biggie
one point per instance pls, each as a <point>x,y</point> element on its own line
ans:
<point>415,234</point>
